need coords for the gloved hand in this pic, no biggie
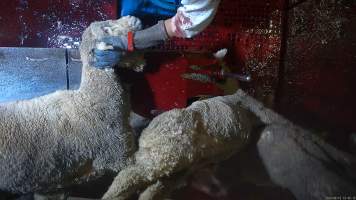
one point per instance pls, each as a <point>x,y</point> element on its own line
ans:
<point>109,58</point>
<point>142,39</point>
<point>149,37</point>
<point>106,58</point>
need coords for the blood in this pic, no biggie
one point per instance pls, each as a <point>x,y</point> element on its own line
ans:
<point>180,21</point>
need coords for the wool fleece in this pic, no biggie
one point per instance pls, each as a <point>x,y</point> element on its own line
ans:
<point>68,137</point>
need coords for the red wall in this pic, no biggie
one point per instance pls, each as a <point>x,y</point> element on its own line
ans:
<point>318,88</point>
<point>49,23</point>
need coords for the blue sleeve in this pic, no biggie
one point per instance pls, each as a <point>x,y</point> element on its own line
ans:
<point>149,8</point>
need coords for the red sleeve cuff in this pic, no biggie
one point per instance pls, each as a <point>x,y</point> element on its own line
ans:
<point>130,41</point>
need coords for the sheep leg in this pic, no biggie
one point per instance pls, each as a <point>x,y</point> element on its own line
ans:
<point>165,186</point>
<point>155,191</point>
<point>60,195</point>
<point>127,182</point>
<point>138,178</point>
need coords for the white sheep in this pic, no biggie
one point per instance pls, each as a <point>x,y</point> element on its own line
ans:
<point>182,140</point>
<point>68,137</point>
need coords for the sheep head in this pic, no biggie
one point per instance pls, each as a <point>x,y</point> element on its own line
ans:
<point>98,30</point>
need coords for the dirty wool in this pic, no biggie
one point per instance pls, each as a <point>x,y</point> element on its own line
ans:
<point>181,141</point>
<point>68,137</point>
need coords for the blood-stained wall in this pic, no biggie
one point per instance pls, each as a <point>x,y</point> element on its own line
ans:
<point>318,88</point>
<point>50,23</point>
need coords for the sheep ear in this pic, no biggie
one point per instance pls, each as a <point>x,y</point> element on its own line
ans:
<point>220,54</point>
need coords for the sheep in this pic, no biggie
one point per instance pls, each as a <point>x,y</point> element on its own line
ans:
<point>68,137</point>
<point>181,141</point>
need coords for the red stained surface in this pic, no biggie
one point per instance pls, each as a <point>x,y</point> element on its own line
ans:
<point>170,89</point>
<point>179,20</point>
<point>319,88</point>
<point>250,30</point>
<point>162,86</point>
<point>50,23</point>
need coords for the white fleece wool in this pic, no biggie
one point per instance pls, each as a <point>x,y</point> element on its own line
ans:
<point>68,136</point>
<point>181,140</point>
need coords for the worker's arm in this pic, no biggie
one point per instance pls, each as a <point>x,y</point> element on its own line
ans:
<point>141,39</point>
<point>191,18</point>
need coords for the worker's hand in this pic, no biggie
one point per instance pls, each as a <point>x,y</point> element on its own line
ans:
<point>109,57</point>
<point>117,42</point>
<point>106,58</point>
<point>142,39</point>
